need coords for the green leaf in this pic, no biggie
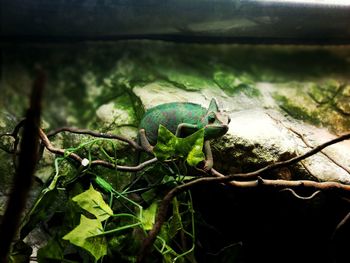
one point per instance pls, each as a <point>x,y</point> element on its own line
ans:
<point>149,216</point>
<point>84,236</point>
<point>169,146</point>
<point>193,146</point>
<point>166,144</point>
<point>92,201</point>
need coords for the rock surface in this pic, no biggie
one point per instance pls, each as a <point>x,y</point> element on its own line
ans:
<point>259,132</point>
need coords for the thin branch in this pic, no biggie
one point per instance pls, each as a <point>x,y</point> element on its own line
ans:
<point>14,135</point>
<point>299,196</point>
<point>55,150</point>
<point>340,225</point>
<point>124,168</point>
<point>95,134</point>
<point>103,163</point>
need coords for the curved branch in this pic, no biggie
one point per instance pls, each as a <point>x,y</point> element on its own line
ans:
<point>340,225</point>
<point>124,168</point>
<point>310,197</point>
<point>103,163</point>
<point>95,134</point>
<point>55,150</point>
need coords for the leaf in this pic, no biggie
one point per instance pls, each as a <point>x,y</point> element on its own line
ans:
<point>169,146</point>
<point>193,145</point>
<point>166,144</point>
<point>149,216</point>
<point>92,201</point>
<point>84,236</point>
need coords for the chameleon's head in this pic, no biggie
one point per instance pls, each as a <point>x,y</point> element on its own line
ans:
<point>215,122</point>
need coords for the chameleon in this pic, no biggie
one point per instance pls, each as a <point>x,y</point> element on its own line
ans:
<point>183,119</point>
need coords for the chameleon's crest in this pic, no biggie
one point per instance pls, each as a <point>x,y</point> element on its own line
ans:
<point>215,122</point>
<point>213,106</point>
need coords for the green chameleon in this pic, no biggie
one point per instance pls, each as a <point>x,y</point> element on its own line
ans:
<point>183,119</point>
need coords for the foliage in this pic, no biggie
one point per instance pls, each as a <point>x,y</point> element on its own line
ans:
<point>87,236</point>
<point>92,219</point>
<point>170,146</point>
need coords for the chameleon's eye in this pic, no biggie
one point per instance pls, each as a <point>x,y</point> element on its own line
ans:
<point>211,118</point>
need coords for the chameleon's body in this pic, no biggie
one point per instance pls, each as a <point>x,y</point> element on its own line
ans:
<point>183,119</point>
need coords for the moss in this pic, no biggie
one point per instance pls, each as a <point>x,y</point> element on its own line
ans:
<point>296,111</point>
<point>235,83</point>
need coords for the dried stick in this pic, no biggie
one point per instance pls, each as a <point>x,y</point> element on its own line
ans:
<point>95,134</point>
<point>45,140</point>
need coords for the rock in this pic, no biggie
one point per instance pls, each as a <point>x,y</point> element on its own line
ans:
<point>260,132</point>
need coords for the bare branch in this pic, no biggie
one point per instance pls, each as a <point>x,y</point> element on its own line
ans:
<point>340,225</point>
<point>55,150</point>
<point>299,196</point>
<point>103,163</point>
<point>95,134</point>
<point>124,168</point>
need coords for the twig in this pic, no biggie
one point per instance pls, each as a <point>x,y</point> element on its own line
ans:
<point>342,223</point>
<point>124,168</point>
<point>77,158</point>
<point>299,196</point>
<point>14,135</point>
<point>95,134</point>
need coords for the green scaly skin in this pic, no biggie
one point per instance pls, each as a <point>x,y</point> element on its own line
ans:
<point>183,119</point>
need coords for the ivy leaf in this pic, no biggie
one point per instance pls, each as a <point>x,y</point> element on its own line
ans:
<point>92,201</point>
<point>166,143</point>
<point>84,236</point>
<point>169,146</point>
<point>193,147</point>
<point>149,216</point>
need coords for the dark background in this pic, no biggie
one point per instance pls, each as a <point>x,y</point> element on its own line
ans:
<point>183,20</point>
